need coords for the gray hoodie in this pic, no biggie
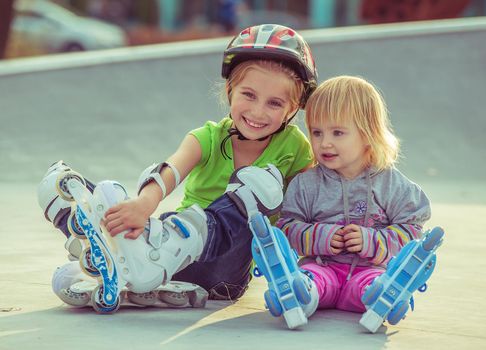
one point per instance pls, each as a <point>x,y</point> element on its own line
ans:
<point>390,209</point>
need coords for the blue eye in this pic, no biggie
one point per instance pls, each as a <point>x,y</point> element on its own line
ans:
<point>276,103</point>
<point>248,94</point>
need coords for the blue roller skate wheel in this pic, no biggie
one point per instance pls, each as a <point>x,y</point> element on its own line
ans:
<point>372,292</point>
<point>301,292</point>
<point>273,304</point>
<point>433,238</point>
<point>398,312</point>
<point>74,228</point>
<point>99,306</point>
<point>86,264</point>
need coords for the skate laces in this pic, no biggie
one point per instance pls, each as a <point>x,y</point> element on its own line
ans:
<point>227,291</point>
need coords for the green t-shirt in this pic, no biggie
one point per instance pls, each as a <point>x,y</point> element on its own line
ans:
<point>288,150</point>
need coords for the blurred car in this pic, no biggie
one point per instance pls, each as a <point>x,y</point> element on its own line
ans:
<point>53,28</point>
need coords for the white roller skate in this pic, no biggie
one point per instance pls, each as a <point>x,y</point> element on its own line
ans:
<point>142,264</point>
<point>56,207</point>
<point>75,288</point>
<point>388,297</point>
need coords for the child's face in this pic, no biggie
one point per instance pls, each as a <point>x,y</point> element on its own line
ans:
<point>260,102</point>
<point>339,147</point>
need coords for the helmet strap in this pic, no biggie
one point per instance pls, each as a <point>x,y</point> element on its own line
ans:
<point>234,131</point>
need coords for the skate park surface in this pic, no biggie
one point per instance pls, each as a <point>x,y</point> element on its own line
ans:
<point>110,114</point>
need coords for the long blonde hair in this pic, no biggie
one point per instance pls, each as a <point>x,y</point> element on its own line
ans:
<point>353,99</point>
<point>240,71</point>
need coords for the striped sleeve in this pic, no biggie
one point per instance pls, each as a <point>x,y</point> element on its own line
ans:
<point>308,239</point>
<point>379,246</point>
<point>407,211</point>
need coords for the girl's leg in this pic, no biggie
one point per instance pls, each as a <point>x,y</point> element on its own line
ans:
<point>327,282</point>
<point>353,290</point>
<point>223,268</point>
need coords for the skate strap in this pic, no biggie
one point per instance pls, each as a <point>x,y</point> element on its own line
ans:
<point>422,288</point>
<point>155,176</point>
<point>412,303</point>
<point>177,176</point>
<point>158,179</point>
<point>256,272</point>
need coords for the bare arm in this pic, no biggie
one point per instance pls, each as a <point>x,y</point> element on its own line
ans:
<point>133,214</point>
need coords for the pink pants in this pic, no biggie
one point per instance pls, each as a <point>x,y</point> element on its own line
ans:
<point>337,293</point>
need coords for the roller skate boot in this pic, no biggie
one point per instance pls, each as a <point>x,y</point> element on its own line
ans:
<point>291,293</point>
<point>388,297</point>
<point>55,207</point>
<point>75,289</point>
<point>257,192</point>
<point>142,264</point>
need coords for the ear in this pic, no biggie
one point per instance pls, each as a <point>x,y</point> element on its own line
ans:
<point>229,91</point>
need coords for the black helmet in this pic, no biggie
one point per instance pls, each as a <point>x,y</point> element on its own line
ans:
<point>276,43</point>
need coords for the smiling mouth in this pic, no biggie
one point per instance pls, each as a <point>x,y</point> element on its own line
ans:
<point>253,124</point>
<point>328,156</point>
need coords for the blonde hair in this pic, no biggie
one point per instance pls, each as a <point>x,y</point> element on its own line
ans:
<point>345,99</point>
<point>240,71</point>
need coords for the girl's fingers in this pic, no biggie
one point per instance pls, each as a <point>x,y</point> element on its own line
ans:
<point>354,249</point>
<point>353,242</point>
<point>134,233</point>
<point>114,230</point>
<point>338,237</point>
<point>114,209</point>
<point>352,235</point>
<point>336,251</point>
<point>111,224</point>
<point>337,244</point>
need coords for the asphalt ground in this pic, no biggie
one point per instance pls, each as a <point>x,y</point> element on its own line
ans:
<point>110,114</point>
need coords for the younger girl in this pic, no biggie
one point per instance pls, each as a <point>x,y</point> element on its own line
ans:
<point>270,73</point>
<point>354,210</point>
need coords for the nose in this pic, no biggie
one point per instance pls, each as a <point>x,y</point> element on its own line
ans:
<point>325,142</point>
<point>258,109</point>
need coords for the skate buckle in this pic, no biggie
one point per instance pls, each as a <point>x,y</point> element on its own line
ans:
<point>155,233</point>
<point>256,272</point>
<point>178,223</point>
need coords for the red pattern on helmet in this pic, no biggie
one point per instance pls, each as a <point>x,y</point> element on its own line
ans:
<point>282,44</point>
<point>277,38</point>
<point>248,38</point>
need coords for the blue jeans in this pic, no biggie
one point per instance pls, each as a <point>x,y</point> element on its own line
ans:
<point>223,268</point>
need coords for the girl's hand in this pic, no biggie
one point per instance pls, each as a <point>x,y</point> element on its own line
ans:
<point>337,242</point>
<point>130,215</point>
<point>353,238</point>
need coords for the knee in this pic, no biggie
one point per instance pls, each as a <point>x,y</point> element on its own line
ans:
<point>256,189</point>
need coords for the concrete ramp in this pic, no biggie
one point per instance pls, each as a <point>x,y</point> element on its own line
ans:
<point>125,108</point>
<point>110,114</point>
